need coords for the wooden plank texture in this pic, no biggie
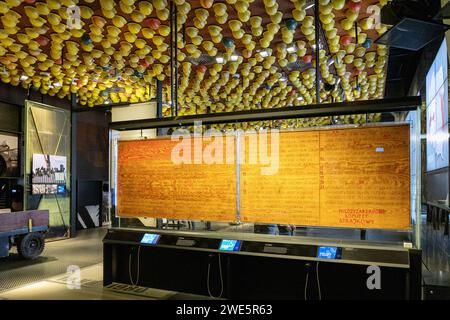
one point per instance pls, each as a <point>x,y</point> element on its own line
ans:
<point>151,185</point>
<point>365,177</point>
<point>18,220</point>
<point>357,177</point>
<point>290,195</point>
<point>345,177</point>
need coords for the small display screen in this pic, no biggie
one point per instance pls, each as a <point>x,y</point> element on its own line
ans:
<point>327,252</point>
<point>230,245</point>
<point>150,238</point>
<point>61,189</point>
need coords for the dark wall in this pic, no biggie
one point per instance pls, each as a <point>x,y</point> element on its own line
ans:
<point>10,117</point>
<point>436,185</point>
<point>18,95</point>
<point>93,145</point>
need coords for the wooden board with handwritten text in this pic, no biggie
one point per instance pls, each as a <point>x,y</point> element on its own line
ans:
<point>348,177</point>
<point>285,188</point>
<point>151,184</point>
<point>365,177</point>
<point>341,177</point>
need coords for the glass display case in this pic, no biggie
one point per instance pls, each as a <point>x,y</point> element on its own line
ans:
<point>408,236</point>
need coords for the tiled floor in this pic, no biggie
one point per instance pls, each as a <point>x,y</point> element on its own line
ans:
<point>48,277</point>
<point>83,251</point>
<point>88,286</point>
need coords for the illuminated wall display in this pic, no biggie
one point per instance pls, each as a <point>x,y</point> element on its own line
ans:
<point>341,177</point>
<point>437,112</point>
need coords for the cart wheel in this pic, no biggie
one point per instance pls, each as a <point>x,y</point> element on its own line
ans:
<point>31,246</point>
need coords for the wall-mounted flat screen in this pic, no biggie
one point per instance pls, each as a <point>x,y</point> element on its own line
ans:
<point>437,112</point>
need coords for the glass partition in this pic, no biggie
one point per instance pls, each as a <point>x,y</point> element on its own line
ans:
<point>47,164</point>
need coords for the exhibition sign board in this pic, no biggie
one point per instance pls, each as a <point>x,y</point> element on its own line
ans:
<point>156,179</point>
<point>355,177</point>
<point>349,177</point>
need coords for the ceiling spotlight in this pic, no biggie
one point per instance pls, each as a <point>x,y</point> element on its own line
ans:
<point>313,46</point>
<point>291,49</point>
<point>220,59</point>
<point>23,77</point>
<point>264,53</point>
<point>234,57</point>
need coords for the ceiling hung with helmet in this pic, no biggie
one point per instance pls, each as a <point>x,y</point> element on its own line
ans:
<point>210,56</point>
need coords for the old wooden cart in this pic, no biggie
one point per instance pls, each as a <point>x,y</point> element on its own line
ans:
<point>24,229</point>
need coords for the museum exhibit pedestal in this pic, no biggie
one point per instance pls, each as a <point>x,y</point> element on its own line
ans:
<point>249,266</point>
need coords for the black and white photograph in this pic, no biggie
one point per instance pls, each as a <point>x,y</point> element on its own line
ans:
<point>9,155</point>
<point>38,189</point>
<point>49,169</point>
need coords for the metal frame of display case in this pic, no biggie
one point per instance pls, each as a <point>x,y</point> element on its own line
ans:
<point>294,112</point>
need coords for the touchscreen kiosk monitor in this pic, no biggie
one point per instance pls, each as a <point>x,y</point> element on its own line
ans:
<point>150,238</point>
<point>230,245</point>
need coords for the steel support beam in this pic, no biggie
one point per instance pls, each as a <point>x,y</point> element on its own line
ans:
<point>73,167</point>
<point>317,51</point>
<point>318,110</point>
<point>159,98</point>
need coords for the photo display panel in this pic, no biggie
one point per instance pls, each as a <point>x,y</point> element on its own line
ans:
<point>185,179</point>
<point>437,111</point>
<point>347,177</point>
